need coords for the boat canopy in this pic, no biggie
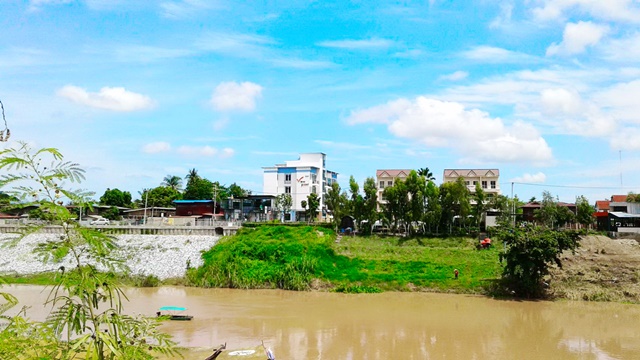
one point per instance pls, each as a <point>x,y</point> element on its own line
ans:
<point>172,308</point>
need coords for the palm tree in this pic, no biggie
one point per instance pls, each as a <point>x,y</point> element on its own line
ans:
<point>173,181</point>
<point>192,175</point>
<point>426,173</point>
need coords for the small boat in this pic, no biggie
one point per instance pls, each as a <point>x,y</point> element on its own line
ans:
<point>173,313</point>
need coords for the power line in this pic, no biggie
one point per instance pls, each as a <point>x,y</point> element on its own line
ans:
<point>574,186</point>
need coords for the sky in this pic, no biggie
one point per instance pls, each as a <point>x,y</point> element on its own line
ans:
<point>546,91</point>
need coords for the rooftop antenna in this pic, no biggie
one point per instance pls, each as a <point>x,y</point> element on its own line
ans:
<point>4,134</point>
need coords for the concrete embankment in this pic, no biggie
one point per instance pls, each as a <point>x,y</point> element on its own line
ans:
<point>164,256</point>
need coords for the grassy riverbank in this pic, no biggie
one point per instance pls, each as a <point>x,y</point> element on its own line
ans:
<point>300,258</point>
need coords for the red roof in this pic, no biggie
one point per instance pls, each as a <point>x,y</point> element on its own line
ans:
<point>618,198</point>
<point>602,205</point>
<point>600,214</point>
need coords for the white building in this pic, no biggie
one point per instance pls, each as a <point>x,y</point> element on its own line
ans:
<point>386,178</point>
<point>300,178</point>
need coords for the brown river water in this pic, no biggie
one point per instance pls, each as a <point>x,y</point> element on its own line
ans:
<point>318,325</point>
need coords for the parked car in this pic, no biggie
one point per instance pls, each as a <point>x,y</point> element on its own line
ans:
<point>102,221</point>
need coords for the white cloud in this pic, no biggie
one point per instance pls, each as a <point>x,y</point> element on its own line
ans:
<point>227,153</point>
<point>621,100</point>
<point>197,150</point>
<point>504,18</point>
<point>492,54</point>
<point>373,43</point>
<point>473,133</point>
<point>616,10</point>
<point>577,37</point>
<point>624,49</point>
<point>455,76</point>
<point>531,178</point>
<point>35,5</point>
<point>109,98</point>
<point>341,145</point>
<point>186,8</point>
<point>156,147</point>
<point>560,102</point>
<point>221,123</point>
<point>229,96</point>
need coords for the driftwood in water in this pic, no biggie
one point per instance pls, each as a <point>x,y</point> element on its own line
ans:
<point>217,352</point>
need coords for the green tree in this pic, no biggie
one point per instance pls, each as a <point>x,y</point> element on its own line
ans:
<point>356,201</point>
<point>633,197</point>
<point>303,203</point>
<point>236,191</point>
<point>283,204</point>
<point>433,211</point>
<point>397,203</point>
<point>336,203</point>
<point>480,199</point>
<point>112,214</point>
<point>202,189</point>
<point>584,211</point>
<point>313,200</point>
<point>547,214</point>
<point>192,175</point>
<point>87,319</point>
<point>172,181</point>
<point>528,254</point>
<point>454,200</point>
<point>116,197</point>
<point>369,204</point>
<point>161,196</point>
<point>416,194</point>
<point>426,173</point>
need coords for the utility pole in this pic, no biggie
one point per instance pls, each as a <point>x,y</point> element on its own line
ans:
<point>513,206</point>
<point>215,196</point>
<point>146,200</point>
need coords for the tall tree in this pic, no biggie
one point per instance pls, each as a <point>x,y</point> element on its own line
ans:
<point>313,201</point>
<point>369,204</point>
<point>548,212</point>
<point>161,196</point>
<point>336,202</point>
<point>426,173</point>
<point>416,190</point>
<point>584,211</point>
<point>116,197</point>
<point>200,189</point>
<point>356,201</point>
<point>480,199</point>
<point>433,212</point>
<point>283,204</point>
<point>192,175</point>
<point>397,203</point>
<point>172,181</point>
<point>236,191</point>
<point>454,200</point>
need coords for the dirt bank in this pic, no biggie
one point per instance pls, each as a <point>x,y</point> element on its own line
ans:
<point>602,269</point>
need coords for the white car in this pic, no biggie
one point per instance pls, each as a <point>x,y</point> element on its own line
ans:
<point>102,221</point>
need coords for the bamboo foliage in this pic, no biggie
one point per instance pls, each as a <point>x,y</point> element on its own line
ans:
<point>87,320</point>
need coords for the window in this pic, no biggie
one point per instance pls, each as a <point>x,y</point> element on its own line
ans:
<point>287,189</point>
<point>381,184</point>
<point>287,177</point>
<point>390,183</point>
<point>474,182</point>
<point>484,184</point>
<point>468,182</point>
<point>493,184</point>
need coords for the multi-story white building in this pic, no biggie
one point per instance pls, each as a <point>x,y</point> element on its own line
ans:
<point>300,178</point>
<point>386,178</point>
<point>487,178</point>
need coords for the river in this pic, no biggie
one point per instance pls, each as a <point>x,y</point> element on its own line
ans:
<point>317,325</point>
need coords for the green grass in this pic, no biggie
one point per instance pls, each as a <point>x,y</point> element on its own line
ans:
<point>291,257</point>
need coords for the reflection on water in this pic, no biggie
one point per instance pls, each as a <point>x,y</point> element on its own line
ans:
<point>312,325</point>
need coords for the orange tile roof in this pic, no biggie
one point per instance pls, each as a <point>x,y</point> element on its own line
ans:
<point>602,204</point>
<point>619,198</point>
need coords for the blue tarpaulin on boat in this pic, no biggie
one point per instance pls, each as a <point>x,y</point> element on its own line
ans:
<point>172,308</point>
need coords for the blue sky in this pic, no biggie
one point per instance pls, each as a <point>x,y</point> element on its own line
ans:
<point>547,91</point>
